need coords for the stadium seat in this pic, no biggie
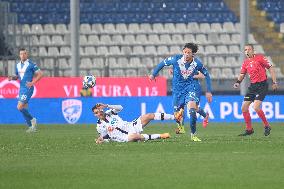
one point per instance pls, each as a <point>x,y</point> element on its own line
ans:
<point>86,63</point>
<point>105,40</point>
<point>99,62</point>
<point>65,51</point>
<point>205,27</point>
<point>189,38</point>
<point>177,39</point>
<point>109,28</point>
<point>146,28</point>
<point>117,73</point>
<point>131,73</point>
<point>61,28</point>
<point>57,40</point>
<point>165,39</point>
<point>147,62</point>
<point>175,49</point>
<point>117,39</point>
<point>210,49</point>
<point>93,40</point>
<point>213,38</point>
<point>193,27</point>
<point>114,50</point>
<point>234,49</point>
<point>85,29</point>
<point>141,39</point>
<point>228,73</point>
<point>126,50</point>
<point>129,39</point>
<point>97,28</point>
<point>48,63</point>
<point>181,28</point>
<point>216,27</point>
<point>201,39</point>
<point>36,29</point>
<point>222,49</point>
<point>138,49</point>
<point>121,28</point>
<point>150,50</point>
<point>133,28</point>
<point>229,27</point>
<point>162,50</point>
<point>225,38</point>
<point>90,51</point>
<point>44,40</point>
<point>153,39</point>
<point>169,28</point>
<point>135,62</point>
<point>158,28</point>
<point>215,73</point>
<point>49,29</point>
<point>42,51</point>
<point>102,50</point>
<point>53,51</point>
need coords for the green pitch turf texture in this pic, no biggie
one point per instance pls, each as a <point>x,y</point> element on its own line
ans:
<point>66,156</point>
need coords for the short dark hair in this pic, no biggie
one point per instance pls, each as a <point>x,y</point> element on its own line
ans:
<point>95,106</point>
<point>192,46</point>
<point>23,49</point>
<point>249,44</point>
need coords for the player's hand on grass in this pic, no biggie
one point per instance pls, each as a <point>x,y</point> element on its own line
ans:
<point>99,140</point>
<point>208,96</point>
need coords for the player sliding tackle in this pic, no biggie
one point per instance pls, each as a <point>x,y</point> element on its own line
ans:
<point>112,127</point>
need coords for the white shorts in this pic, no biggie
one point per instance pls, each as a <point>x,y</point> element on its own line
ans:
<point>121,135</point>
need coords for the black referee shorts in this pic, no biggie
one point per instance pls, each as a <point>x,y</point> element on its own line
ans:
<point>257,91</point>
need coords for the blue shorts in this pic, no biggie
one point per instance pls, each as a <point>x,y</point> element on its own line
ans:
<point>181,99</point>
<point>25,95</point>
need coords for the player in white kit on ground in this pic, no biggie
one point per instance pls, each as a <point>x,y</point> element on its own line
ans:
<point>111,127</point>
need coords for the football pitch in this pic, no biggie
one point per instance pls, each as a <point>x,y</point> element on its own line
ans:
<point>66,156</point>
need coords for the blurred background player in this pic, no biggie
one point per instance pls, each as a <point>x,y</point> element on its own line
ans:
<point>29,74</point>
<point>255,65</point>
<point>110,125</point>
<point>186,89</point>
<point>86,92</point>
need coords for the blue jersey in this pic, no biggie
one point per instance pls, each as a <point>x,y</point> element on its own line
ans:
<point>183,73</point>
<point>25,72</point>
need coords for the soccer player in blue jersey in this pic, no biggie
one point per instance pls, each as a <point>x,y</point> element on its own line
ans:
<point>28,73</point>
<point>186,88</point>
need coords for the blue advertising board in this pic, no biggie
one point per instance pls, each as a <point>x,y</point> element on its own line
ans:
<point>78,110</point>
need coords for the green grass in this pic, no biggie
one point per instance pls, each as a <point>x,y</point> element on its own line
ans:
<point>66,156</point>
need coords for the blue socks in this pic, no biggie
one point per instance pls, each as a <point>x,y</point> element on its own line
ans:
<point>192,120</point>
<point>201,112</point>
<point>27,116</point>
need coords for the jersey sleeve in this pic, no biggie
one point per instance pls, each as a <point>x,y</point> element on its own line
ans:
<point>205,72</point>
<point>16,70</point>
<point>264,62</point>
<point>167,62</point>
<point>35,68</point>
<point>243,68</point>
<point>101,130</point>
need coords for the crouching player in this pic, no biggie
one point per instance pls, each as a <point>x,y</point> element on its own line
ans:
<point>111,127</point>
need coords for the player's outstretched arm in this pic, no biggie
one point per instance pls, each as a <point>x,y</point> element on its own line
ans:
<point>273,77</point>
<point>37,77</point>
<point>239,80</point>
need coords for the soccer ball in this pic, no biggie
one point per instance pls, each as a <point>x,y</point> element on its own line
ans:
<point>89,81</point>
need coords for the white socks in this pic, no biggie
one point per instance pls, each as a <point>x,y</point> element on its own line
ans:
<point>151,137</point>
<point>163,116</point>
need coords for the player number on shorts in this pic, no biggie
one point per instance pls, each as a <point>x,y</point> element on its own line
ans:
<point>23,97</point>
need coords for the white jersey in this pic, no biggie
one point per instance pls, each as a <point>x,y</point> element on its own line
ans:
<point>116,129</point>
